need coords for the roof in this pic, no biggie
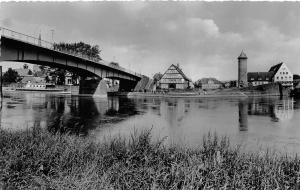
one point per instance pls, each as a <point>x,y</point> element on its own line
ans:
<point>40,74</point>
<point>32,79</point>
<point>264,76</point>
<point>157,76</point>
<point>205,80</point>
<point>179,71</point>
<point>243,55</point>
<point>275,68</point>
<point>22,72</point>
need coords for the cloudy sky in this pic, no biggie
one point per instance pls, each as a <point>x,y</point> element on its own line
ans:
<point>205,38</point>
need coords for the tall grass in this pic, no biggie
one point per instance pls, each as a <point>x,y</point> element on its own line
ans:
<point>36,159</point>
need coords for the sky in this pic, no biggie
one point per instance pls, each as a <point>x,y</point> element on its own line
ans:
<point>205,38</point>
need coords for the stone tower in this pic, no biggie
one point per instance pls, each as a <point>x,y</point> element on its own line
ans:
<point>242,70</point>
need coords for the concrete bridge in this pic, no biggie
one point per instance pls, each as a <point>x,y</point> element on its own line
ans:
<point>18,47</point>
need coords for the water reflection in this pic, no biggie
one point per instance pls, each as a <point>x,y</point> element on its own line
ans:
<point>276,109</point>
<point>182,120</point>
<point>243,115</point>
<point>74,115</point>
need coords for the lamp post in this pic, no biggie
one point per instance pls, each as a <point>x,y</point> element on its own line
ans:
<point>52,34</point>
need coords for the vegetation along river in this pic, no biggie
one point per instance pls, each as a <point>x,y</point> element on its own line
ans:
<point>254,123</point>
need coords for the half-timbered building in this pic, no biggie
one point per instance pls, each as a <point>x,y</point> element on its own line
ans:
<point>174,78</point>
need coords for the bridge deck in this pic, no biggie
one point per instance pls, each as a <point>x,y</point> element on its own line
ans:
<point>7,33</point>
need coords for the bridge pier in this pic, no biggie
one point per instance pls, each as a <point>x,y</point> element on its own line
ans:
<point>93,86</point>
<point>127,85</point>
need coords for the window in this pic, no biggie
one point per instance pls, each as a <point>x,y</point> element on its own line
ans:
<point>259,78</point>
<point>252,78</point>
<point>277,77</point>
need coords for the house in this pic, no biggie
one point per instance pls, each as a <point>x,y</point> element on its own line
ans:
<point>209,83</point>
<point>259,78</point>
<point>68,78</point>
<point>230,84</point>
<point>282,74</point>
<point>278,73</point>
<point>174,78</point>
<point>24,72</point>
<point>32,79</point>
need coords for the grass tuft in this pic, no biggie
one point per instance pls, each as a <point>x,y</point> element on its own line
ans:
<point>36,159</point>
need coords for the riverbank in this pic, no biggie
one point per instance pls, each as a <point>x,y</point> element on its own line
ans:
<point>254,91</point>
<point>36,159</point>
<point>208,94</point>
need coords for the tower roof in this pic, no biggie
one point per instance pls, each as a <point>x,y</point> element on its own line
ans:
<point>243,56</point>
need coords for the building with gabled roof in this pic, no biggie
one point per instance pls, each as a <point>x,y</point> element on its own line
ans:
<point>282,74</point>
<point>209,83</point>
<point>259,78</point>
<point>278,73</point>
<point>23,72</point>
<point>174,78</point>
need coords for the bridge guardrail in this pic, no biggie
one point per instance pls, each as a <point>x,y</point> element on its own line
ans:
<point>45,44</point>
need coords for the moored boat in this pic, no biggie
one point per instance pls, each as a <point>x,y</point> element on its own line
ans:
<point>47,87</point>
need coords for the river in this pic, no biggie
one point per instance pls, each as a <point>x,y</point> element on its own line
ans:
<point>254,123</point>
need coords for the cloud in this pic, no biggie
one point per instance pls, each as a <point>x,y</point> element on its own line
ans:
<point>205,38</point>
<point>198,27</point>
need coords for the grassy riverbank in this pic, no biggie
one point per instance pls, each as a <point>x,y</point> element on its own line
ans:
<point>37,159</point>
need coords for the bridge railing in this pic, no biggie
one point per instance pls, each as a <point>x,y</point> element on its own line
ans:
<point>45,44</point>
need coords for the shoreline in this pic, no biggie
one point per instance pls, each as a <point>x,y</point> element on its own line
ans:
<point>243,95</point>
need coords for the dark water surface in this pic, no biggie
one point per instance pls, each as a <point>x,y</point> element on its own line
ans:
<point>254,122</point>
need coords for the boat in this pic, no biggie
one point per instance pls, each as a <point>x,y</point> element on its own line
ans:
<point>44,87</point>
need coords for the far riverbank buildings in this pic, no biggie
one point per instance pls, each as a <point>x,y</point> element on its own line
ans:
<point>278,73</point>
<point>174,78</point>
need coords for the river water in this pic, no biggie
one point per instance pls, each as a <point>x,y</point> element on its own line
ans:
<point>254,123</point>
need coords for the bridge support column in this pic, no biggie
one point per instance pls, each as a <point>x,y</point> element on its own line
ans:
<point>127,85</point>
<point>93,86</point>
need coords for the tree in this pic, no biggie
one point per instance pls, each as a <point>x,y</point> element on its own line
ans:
<point>198,84</point>
<point>114,64</point>
<point>157,77</point>
<point>60,76</point>
<point>75,77</point>
<point>296,77</point>
<point>25,66</point>
<point>29,72</point>
<point>42,68</point>
<point>11,76</point>
<point>47,79</point>
<point>80,48</point>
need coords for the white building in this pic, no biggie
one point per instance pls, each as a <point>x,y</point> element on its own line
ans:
<point>282,74</point>
<point>278,73</point>
<point>174,78</point>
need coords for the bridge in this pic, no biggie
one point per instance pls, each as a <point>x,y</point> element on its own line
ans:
<point>18,47</point>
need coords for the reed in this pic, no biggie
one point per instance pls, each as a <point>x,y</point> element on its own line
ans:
<point>36,159</point>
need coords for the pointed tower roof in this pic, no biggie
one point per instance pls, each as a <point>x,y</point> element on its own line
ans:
<point>243,55</point>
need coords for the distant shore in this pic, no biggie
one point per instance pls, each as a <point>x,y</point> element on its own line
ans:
<point>134,94</point>
<point>209,94</point>
<point>262,90</point>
